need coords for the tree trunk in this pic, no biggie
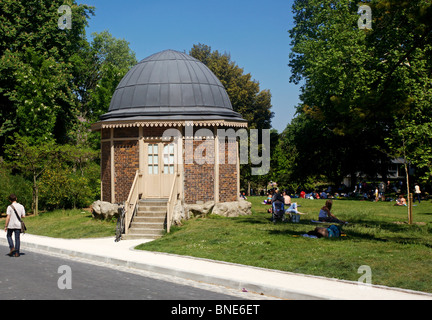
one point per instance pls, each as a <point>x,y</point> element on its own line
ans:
<point>409,196</point>
<point>35,200</point>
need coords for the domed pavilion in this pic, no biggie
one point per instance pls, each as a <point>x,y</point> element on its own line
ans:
<point>161,141</point>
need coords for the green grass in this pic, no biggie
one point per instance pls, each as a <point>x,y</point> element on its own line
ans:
<point>399,255</point>
<point>68,224</point>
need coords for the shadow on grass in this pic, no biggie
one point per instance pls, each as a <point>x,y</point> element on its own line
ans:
<point>357,229</point>
<point>252,221</point>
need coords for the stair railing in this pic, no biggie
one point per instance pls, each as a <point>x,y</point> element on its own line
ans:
<point>132,200</point>
<point>172,200</point>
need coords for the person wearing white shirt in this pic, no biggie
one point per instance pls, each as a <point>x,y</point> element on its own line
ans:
<point>417,192</point>
<point>13,225</point>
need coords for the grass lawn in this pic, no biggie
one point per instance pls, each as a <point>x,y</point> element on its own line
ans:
<point>67,224</point>
<point>398,254</point>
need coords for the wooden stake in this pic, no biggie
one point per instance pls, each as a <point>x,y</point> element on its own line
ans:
<point>410,202</point>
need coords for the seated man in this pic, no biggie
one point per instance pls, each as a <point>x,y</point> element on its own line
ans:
<point>287,198</point>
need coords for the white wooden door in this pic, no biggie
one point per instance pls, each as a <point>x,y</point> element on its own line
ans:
<point>159,169</point>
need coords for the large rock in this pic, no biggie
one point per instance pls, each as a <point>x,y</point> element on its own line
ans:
<point>226,209</point>
<point>193,210</point>
<point>178,214</point>
<point>233,209</point>
<point>187,211</point>
<point>104,210</point>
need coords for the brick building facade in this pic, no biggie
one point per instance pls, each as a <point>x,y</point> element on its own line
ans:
<point>165,93</point>
<point>210,177</point>
<point>169,90</point>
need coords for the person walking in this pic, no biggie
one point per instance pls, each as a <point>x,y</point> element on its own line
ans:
<point>417,192</point>
<point>14,212</point>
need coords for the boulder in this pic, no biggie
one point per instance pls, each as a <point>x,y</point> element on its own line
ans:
<point>233,209</point>
<point>178,214</point>
<point>193,210</point>
<point>187,211</point>
<point>104,210</point>
<point>226,209</point>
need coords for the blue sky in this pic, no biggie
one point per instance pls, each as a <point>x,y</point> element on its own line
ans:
<point>254,33</point>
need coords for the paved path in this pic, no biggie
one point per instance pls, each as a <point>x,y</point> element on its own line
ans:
<point>274,283</point>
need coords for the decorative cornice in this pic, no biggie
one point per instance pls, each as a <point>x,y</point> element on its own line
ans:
<point>199,123</point>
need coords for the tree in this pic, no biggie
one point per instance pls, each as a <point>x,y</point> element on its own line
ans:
<point>61,168</point>
<point>101,67</point>
<point>37,73</point>
<point>41,94</point>
<point>31,160</point>
<point>114,58</point>
<point>357,83</point>
<point>13,183</point>
<point>245,95</point>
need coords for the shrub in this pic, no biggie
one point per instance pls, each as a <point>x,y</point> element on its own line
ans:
<point>10,183</point>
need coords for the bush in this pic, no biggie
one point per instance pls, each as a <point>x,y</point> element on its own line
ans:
<point>61,187</point>
<point>10,183</point>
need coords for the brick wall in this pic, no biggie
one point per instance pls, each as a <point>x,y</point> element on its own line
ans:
<point>106,171</point>
<point>228,172</point>
<point>126,163</point>
<point>199,178</point>
<point>126,133</point>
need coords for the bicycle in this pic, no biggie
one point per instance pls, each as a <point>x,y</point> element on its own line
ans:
<point>120,224</point>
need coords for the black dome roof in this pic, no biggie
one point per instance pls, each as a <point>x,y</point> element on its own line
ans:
<point>170,85</point>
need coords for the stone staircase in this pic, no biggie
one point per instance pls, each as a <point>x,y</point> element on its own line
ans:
<point>149,220</point>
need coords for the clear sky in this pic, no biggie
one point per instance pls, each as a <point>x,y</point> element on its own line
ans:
<point>253,32</point>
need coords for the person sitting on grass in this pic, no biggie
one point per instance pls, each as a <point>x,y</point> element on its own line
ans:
<point>326,216</point>
<point>401,201</point>
<point>287,198</point>
<point>269,198</point>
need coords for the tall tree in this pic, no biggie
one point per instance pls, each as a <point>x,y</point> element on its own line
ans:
<point>36,62</point>
<point>31,161</point>
<point>114,58</point>
<point>357,83</point>
<point>245,95</point>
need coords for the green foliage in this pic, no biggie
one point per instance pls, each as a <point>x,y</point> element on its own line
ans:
<point>246,98</point>
<point>62,188</point>
<point>113,58</point>
<point>16,184</point>
<point>53,84</point>
<point>31,161</point>
<point>41,93</point>
<point>360,87</point>
<point>245,95</point>
<point>37,87</point>
<point>58,173</point>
